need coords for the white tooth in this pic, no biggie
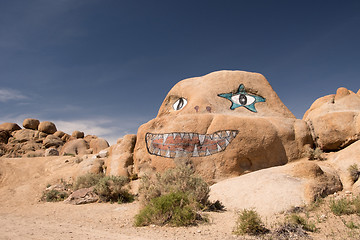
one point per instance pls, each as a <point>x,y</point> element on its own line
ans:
<point>234,133</point>
<point>191,135</point>
<point>159,152</point>
<point>210,136</point>
<point>165,137</point>
<point>167,153</point>
<point>218,147</point>
<point>182,135</point>
<point>201,138</point>
<point>228,133</point>
<point>174,135</point>
<point>195,152</point>
<point>207,153</point>
<point>226,142</point>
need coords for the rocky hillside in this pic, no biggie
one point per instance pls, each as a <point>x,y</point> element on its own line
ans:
<point>39,139</point>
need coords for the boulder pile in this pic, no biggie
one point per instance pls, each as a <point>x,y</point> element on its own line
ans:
<point>38,139</point>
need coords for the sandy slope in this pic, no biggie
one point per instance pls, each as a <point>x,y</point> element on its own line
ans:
<point>23,216</point>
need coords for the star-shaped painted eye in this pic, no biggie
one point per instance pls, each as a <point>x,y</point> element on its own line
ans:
<point>242,99</point>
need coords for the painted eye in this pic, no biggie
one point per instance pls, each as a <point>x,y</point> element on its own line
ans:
<point>243,99</point>
<point>179,104</point>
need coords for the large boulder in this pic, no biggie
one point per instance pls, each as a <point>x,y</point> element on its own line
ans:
<point>47,127</point>
<point>120,158</point>
<point>77,134</point>
<point>75,147</point>
<point>225,123</point>
<point>4,136</point>
<point>24,135</point>
<point>276,189</point>
<point>9,127</point>
<point>82,196</point>
<point>30,123</point>
<point>52,141</point>
<point>334,120</point>
<point>98,144</point>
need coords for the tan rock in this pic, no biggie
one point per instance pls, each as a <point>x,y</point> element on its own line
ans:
<point>98,144</point>
<point>277,189</point>
<point>31,123</point>
<point>52,141</point>
<point>51,152</point>
<point>82,196</point>
<point>47,127</point>
<point>121,157</point>
<point>77,134</point>
<point>4,136</point>
<point>66,137</point>
<point>342,160</point>
<point>202,119</point>
<point>333,120</point>
<point>89,165</point>
<point>74,147</point>
<point>9,127</point>
<point>59,134</point>
<point>24,135</point>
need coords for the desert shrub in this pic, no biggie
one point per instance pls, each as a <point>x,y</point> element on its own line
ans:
<point>87,180</point>
<point>180,179</point>
<point>315,154</point>
<point>341,206</point>
<point>249,222</point>
<point>54,195</point>
<point>356,204</point>
<point>351,225</point>
<point>296,219</point>
<point>111,188</point>
<point>174,209</point>
<point>354,172</point>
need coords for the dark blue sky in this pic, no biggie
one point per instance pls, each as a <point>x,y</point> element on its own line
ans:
<point>104,66</point>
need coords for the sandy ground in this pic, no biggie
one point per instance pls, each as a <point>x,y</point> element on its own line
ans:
<point>23,216</point>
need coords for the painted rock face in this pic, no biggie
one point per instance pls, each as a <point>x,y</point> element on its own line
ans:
<point>226,122</point>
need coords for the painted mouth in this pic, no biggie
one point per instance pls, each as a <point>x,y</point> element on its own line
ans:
<point>183,144</point>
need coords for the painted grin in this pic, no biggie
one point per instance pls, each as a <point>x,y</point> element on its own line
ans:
<point>183,144</point>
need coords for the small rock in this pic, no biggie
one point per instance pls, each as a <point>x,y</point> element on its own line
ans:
<point>51,152</point>
<point>103,153</point>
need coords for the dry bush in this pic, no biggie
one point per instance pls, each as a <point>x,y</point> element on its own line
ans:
<point>249,222</point>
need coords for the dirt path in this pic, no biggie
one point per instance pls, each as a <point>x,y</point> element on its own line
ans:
<point>23,216</point>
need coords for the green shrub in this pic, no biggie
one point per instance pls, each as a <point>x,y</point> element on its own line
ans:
<point>341,206</point>
<point>249,222</point>
<point>87,180</point>
<point>174,209</point>
<point>315,154</point>
<point>179,179</point>
<point>54,196</point>
<point>296,219</point>
<point>356,204</point>
<point>354,172</point>
<point>111,188</point>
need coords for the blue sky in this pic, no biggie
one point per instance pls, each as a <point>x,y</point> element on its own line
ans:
<point>105,66</point>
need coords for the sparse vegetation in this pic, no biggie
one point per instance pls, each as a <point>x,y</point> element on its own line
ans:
<point>249,222</point>
<point>296,219</point>
<point>316,154</point>
<point>174,209</point>
<point>109,188</point>
<point>54,195</point>
<point>354,172</point>
<point>341,206</point>
<point>174,198</point>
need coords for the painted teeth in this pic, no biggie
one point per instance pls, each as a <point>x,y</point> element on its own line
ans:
<point>179,144</point>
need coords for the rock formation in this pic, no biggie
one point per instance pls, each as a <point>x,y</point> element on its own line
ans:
<point>334,120</point>
<point>39,139</point>
<point>226,123</point>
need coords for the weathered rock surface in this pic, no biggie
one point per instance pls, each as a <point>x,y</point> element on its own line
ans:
<point>334,120</point>
<point>276,189</point>
<point>52,141</point>
<point>226,122</point>
<point>98,144</point>
<point>82,196</point>
<point>4,136</point>
<point>77,134</point>
<point>9,127</point>
<point>51,152</point>
<point>75,147</point>
<point>24,135</point>
<point>31,123</point>
<point>120,160</point>
<point>47,127</point>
